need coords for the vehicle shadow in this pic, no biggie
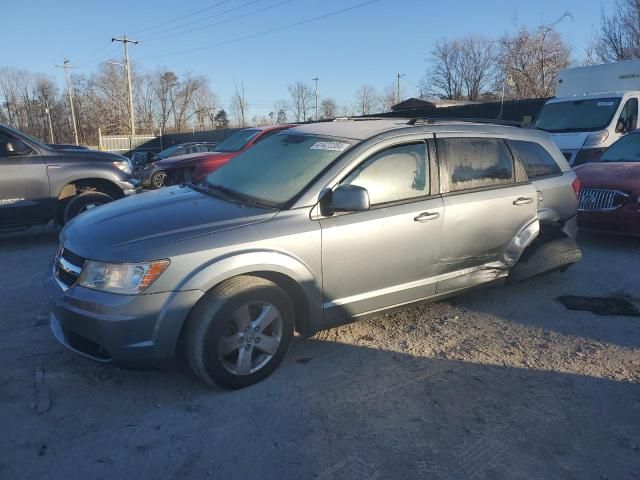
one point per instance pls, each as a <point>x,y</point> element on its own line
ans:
<point>332,410</point>
<point>31,237</point>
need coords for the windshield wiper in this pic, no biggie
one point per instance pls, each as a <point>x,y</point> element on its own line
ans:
<point>230,194</point>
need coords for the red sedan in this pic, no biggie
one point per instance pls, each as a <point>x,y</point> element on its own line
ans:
<point>197,166</point>
<point>610,195</point>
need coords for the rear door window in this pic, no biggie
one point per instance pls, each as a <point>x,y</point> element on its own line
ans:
<point>535,159</point>
<point>470,163</point>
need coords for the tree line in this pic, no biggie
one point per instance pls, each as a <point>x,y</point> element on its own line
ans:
<point>522,63</point>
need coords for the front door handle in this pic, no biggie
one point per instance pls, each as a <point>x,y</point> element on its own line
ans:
<point>426,216</point>
<point>523,201</point>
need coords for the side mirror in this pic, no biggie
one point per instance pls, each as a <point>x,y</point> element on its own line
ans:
<point>17,147</point>
<point>348,198</point>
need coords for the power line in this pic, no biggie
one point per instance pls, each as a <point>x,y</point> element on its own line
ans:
<point>265,32</point>
<point>182,18</point>
<point>237,17</point>
<point>200,20</point>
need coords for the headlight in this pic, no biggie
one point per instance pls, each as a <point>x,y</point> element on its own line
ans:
<point>596,138</point>
<point>125,278</point>
<point>124,165</point>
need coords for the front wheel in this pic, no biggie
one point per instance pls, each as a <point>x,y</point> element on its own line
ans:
<point>158,179</point>
<point>84,202</point>
<point>239,332</point>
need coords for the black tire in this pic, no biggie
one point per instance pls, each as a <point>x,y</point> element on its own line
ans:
<point>158,179</point>
<point>546,257</point>
<point>209,323</point>
<point>83,202</point>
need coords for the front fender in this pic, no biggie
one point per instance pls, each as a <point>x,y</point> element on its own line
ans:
<point>220,269</point>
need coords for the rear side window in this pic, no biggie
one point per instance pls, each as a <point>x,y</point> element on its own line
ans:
<point>396,174</point>
<point>535,159</point>
<point>467,163</point>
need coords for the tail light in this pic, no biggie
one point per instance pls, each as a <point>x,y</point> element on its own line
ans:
<point>577,185</point>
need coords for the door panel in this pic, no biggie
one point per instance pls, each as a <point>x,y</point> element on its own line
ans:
<point>387,255</point>
<point>380,258</point>
<point>24,189</point>
<point>485,210</point>
<point>478,227</point>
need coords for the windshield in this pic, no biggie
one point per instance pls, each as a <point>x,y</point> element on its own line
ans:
<point>167,152</point>
<point>32,139</point>
<point>277,169</point>
<point>236,141</point>
<point>627,149</point>
<point>577,115</point>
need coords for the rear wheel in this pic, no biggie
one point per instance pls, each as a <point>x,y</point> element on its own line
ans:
<point>82,203</point>
<point>158,179</point>
<point>239,333</point>
<point>546,257</point>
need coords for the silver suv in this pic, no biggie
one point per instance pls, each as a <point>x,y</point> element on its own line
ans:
<point>311,228</point>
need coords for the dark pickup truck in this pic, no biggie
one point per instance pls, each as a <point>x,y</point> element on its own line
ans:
<point>39,183</point>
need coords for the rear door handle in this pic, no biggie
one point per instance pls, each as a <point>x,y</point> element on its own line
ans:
<point>523,201</point>
<point>426,216</point>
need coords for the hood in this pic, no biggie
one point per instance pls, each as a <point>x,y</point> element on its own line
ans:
<point>128,229</point>
<point>181,160</point>
<point>570,141</point>
<point>92,155</point>
<point>623,176</point>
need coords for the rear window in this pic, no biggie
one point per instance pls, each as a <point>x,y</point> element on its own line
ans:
<point>468,163</point>
<point>535,159</point>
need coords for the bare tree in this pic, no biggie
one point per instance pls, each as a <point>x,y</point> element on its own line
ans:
<point>532,60</point>
<point>367,100</point>
<point>619,37</point>
<point>462,69</point>
<point>239,105</point>
<point>164,84</point>
<point>302,98</point>
<point>389,96</point>
<point>444,78</point>
<point>328,108</point>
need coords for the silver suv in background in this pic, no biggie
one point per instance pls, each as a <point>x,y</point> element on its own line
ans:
<point>312,228</point>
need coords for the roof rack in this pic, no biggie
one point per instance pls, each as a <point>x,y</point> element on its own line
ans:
<point>435,121</point>
<point>363,119</point>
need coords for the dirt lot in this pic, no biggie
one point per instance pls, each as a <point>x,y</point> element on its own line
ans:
<point>500,383</point>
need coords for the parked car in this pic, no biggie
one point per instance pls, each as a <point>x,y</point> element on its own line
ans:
<point>610,195</point>
<point>311,228</point>
<point>230,148</point>
<point>153,176</point>
<point>39,183</point>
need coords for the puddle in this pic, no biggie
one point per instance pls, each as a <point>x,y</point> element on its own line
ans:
<point>600,305</point>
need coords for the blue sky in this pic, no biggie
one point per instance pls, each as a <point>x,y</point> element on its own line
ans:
<point>368,45</point>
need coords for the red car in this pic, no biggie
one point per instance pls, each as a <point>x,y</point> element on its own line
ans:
<point>197,166</point>
<point>610,195</point>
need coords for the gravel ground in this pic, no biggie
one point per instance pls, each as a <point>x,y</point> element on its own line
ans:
<point>499,383</point>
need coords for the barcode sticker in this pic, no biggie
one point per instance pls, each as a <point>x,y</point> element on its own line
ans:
<point>605,104</point>
<point>332,146</point>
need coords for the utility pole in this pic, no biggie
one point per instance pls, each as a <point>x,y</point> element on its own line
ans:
<point>399,76</point>
<point>316,80</point>
<point>66,67</point>
<point>126,42</point>
<point>48,112</point>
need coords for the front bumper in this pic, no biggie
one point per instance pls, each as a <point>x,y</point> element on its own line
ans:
<point>128,330</point>
<point>130,187</point>
<point>622,221</point>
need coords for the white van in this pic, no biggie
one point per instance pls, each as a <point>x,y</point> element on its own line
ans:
<point>594,106</point>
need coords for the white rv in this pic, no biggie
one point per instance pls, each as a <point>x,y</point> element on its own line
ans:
<point>594,106</point>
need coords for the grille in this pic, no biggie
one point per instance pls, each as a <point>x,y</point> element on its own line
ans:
<point>68,267</point>
<point>600,200</point>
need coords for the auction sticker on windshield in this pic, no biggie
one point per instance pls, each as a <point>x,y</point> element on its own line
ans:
<point>332,146</point>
